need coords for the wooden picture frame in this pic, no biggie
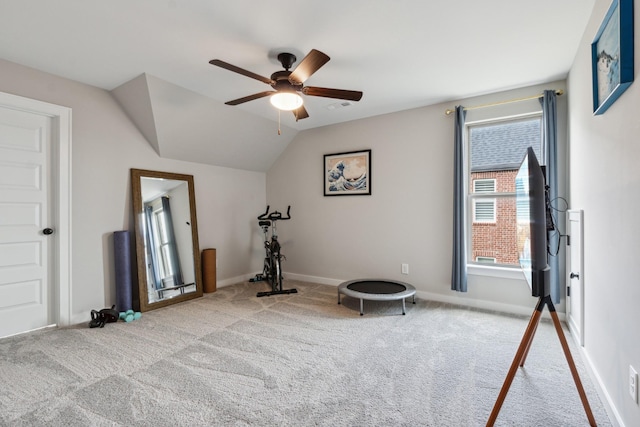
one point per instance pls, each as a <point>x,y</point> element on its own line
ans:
<point>347,174</point>
<point>612,56</point>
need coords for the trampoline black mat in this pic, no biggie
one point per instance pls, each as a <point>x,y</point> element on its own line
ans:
<point>376,287</point>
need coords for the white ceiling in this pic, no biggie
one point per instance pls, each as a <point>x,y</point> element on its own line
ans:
<point>401,53</point>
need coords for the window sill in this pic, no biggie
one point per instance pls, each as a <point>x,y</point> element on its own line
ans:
<point>502,272</point>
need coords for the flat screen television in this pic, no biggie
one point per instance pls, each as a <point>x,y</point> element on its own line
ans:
<point>531,213</point>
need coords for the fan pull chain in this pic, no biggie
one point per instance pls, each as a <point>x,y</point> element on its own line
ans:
<point>279,132</point>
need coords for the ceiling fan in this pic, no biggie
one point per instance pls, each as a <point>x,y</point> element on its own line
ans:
<point>288,84</point>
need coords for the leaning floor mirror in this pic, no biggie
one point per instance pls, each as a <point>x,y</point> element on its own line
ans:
<point>167,249</point>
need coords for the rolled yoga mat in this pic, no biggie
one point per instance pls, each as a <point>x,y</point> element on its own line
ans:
<point>209,270</point>
<point>122,254</point>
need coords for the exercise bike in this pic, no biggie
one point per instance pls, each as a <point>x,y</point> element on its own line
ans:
<point>272,270</point>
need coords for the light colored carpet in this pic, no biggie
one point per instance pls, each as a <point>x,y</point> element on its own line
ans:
<point>232,359</point>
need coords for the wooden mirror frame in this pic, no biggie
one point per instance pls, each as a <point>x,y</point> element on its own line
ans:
<point>136,190</point>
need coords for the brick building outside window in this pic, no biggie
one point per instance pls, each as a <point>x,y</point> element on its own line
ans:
<point>496,151</point>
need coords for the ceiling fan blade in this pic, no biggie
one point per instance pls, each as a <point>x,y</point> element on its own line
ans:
<point>239,70</point>
<point>351,95</point>
<point>309,65</point>
<point>250,97</point>
<point>300,113</point>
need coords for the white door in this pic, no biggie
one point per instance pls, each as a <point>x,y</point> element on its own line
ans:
<point>26,296</point>
<point>575,290</point>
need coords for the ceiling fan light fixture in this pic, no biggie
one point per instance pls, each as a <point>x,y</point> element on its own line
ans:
<point>288,85</point>
<point>286,101</point>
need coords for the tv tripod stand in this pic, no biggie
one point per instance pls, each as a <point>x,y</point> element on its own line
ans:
<point>521,356</point>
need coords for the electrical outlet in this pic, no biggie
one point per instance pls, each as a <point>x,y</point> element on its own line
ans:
<point>633,384</point>
<point>405,268</point>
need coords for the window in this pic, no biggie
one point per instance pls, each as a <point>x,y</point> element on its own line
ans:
<point>161,238</point>
<point>495,152</point>
<point>486,260</point>
<point>484,185</point>
<point>163,243</point>
<point>484,210</point>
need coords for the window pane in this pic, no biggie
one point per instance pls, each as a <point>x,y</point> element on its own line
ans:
<point>166,256</point>
<point>501,146</point>
<point>522,206</point>
<point>496,151</point>
<point>162,226</point>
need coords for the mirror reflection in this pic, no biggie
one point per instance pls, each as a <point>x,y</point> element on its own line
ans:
<point>166,238</point>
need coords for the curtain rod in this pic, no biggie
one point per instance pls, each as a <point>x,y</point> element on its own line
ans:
<point>559,92</point>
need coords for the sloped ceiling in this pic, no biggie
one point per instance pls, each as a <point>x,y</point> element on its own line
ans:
<point>402,54</point>
<point>183,125</point>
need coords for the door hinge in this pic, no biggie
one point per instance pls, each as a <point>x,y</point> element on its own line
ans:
<point>568,240</point>
<point>568,291</point>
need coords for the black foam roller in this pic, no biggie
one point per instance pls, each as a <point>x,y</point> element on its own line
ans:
<point>122,254</point>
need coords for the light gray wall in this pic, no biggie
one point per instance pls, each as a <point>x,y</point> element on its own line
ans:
<point>604,181</point>
<point>408,217</point>
<point>105,146</point>
<point>406,220</point>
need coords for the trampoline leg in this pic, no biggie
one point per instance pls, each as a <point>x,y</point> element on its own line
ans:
<point>403,313</point>
<point>414,298</point>
<point>361,309</point>
<point>338,297</point>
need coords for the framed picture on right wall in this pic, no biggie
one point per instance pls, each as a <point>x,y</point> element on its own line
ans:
<point>612,55</point>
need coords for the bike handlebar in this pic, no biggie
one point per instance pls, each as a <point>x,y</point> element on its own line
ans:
<point>264,215</point>
<point>275,215</point>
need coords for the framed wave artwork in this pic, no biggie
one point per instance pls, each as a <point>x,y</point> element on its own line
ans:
<point>347,174</point>
<point>612,55</point>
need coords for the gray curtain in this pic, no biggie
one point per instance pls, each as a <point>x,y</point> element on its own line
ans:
<point>171,243</point>
<point>459,262</point>
<point>152,255</point>
<point>550,147</point>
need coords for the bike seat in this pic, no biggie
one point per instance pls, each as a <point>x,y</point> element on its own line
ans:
<point>263,223</point>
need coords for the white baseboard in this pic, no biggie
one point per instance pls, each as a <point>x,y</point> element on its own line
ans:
<point>233,280</point>
<point>303,278</point>
<point>449,299</point>
<point>605,397</point>
<point>485,305</point>
<point>313,279</point>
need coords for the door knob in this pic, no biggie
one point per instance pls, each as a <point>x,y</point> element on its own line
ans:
<point>47,231</point>
<point>574,276</point>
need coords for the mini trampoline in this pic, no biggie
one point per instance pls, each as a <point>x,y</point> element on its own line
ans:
<point>377,290</point>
